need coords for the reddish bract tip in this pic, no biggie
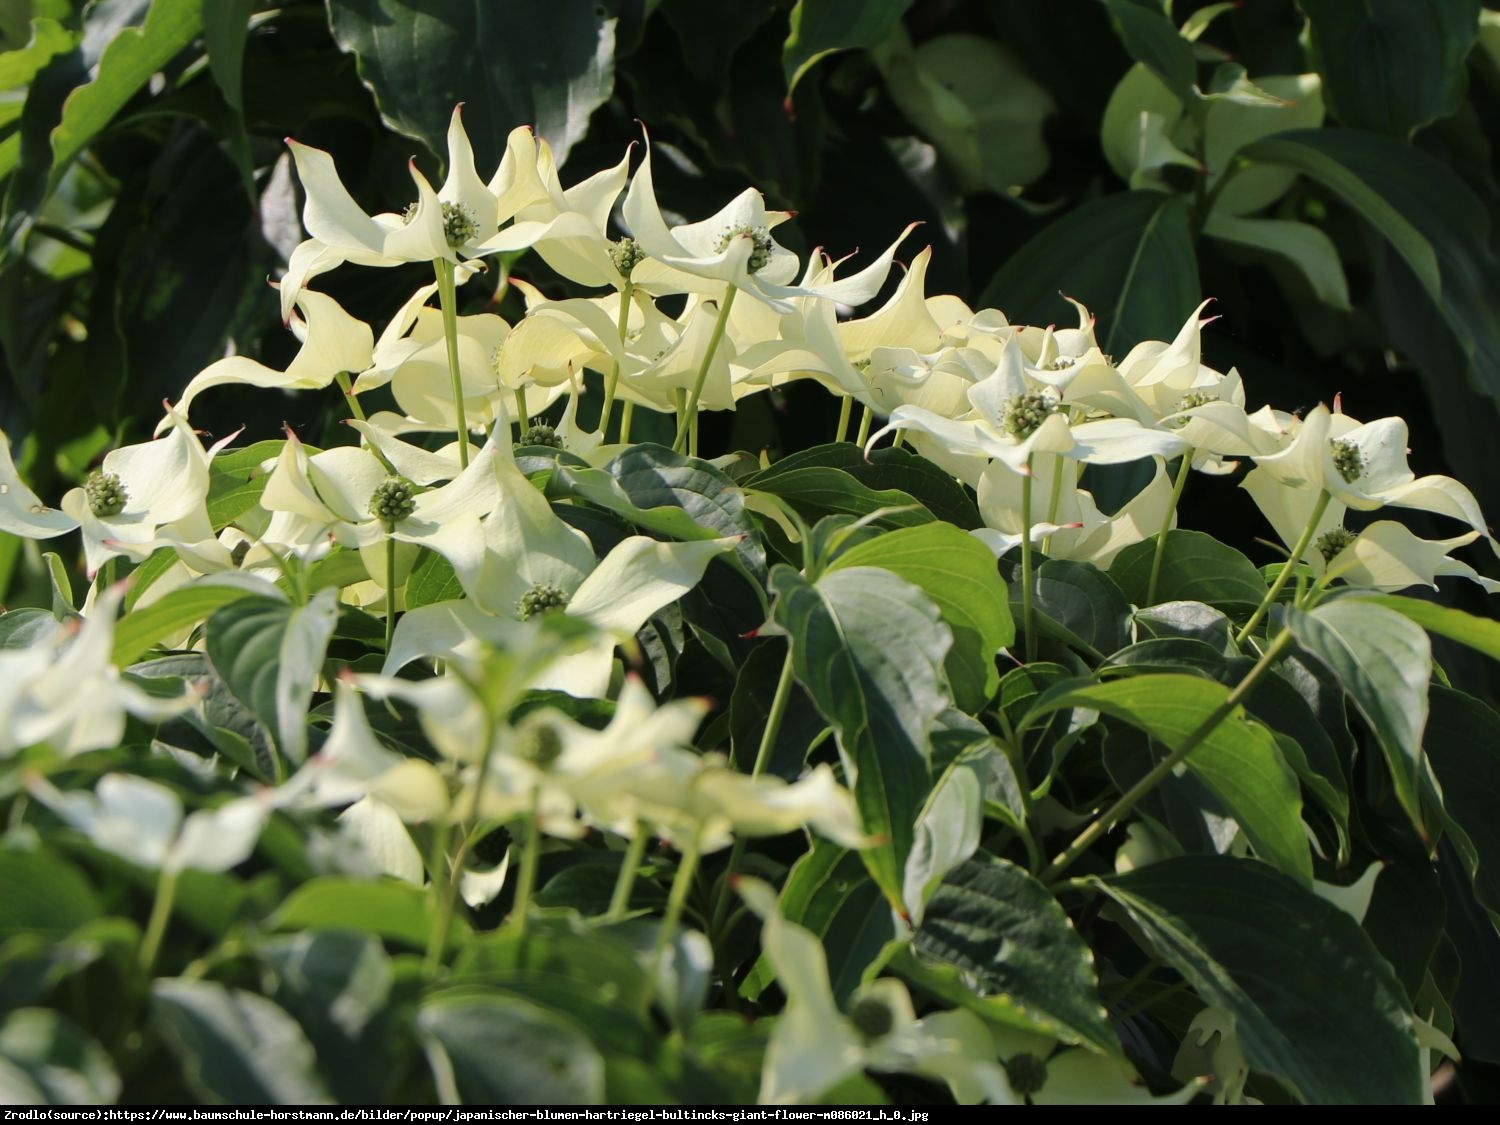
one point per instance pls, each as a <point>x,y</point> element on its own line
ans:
<point>750,636</point>
<point>789,109</point>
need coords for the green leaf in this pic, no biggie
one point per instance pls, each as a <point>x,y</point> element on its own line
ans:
<point>1313,1003</point>
<point>1194,568</point>
<point>226,25</point>
<point>234,1047</point>
<point>1391,66</point>
<point>959,574</point>
<point>24,627</point>
<point>127,64</point>
<point>337,984</point>
<point>431,581</point>
<point>270,655</point>
<point>1129,257</point>
<point>829,894</point>
<point>869,648</point>
<point>1080,607</point>
<point>750,707</point>
<point>670,494</point>
<point>1463,745</point>
<point>821,27</point>
<point>43,895</point>
<point>527,62</point>
<point>1302,245</point>
<point>548,1060</point>
<point>19,67</point>
<point>46,1059</point>
<point>184,607</point>
<point>886,470</point>
<point>1384,661</point>
<point>1149,37</point>
<point>1238,760</point>
<point>388,909</point>
<point>1008,936</point>
<point>1479,633</point>
<point>819,490</point>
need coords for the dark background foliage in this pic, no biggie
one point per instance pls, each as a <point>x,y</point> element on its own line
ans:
<point>148,197</point>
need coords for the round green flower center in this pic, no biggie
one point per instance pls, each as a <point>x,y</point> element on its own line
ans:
<point>1189,401</point>
<point>1023,415</point>
<point>1349,460</point>
<point>539,744</point>
<point>626,255</point>
<point>459,227</point>
<point>105,493</point>
<point>871,1017</point>
<point>760,239</point>
<point>541,434</point>
<point>1027,1073</point>
<point>1061,363</point>
<point>541,598</point>
<point>392,501</point>
<point>1333,541</point>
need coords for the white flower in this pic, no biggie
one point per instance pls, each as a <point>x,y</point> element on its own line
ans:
<point>21,510</point>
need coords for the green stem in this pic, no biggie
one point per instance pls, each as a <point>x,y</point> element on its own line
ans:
<point>1028,615</point>
<point>846,410</point>
<point>156,925</point>
<point>1286,571</point>
<point>866,417</point>
<point>1059,462</point>
<point>691,410</point>
<point>693,434</point>
<point>625,418</point>
<point>613,382</point>
<point>1133,796</point>
<point>1178,485</point>
<point>676,898</point>
<point>527,882</point>
<point>619,902</point>
<point>439,872</point>
<point>350,397</point>
<point>390,589</point>
<point>768,736</point>
<point>448,297</point>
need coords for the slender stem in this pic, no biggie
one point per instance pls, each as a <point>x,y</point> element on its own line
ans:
<point>613,382</point>
<point>1132,796</point>
<point>768,736</point>
<point>1028,615</point>
<point>350,397</point>
<point>846,409</point>
<point>691,410</point>
<point>390,589</point>
<point>156,925</point>
<point>866,417</point>
<point>1286,571</point>
<point>619,902</point>
<point>693,434</point>
<point>438,871</point>
<point>625,417</point>
<point>529,857</point>
<point>522,413</point>
<point>1015,754</point>
<point>1180,483</point>
<point>675,900</point>
<point>1059,462</point>
<point>898,439</point>
<point>448,297</point>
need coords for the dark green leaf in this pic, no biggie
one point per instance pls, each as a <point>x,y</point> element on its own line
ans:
<point>1384,661</point>
<point>269,654</point>
<point>1150,37</point>
<point>959,574</point>
<point>526,63</point>
<point>1194,568</point>
<point>1391,66</point>
<point>1479,633</point>
<point>1129,257</point>
<point>45,1059</point>
<point>548,1060</point>
<point>829,894</point>
<point>1312,1001</point>
<point>1008,936</point>
<point>432,580</point>
<point>227,725</point>
<point>1080,605</point>
<point>175,612</point>
<point>1238,760</point>
<point>750,706</point>
<point>869,648</point>
<point>234,1047</point>
<point>21,628</point>
<point>821,27</point>
<point>43,895</point>
<point>818,490</point>
<point>1463,744</point>
<point>885,470</point>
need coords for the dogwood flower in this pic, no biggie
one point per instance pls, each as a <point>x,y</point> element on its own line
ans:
<point>64,690</point>
<point>21,510</point>
<point>143,822</point>
<point>440,225</point>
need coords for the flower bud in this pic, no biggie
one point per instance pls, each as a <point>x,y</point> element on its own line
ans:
<point>871,1017</point>
<point>1333,541</point>
<point>541,434</point>
<point>1022,415</point>
<point>759,237</point>
<point>541,598</point>
<point>105,494</point>
<point>392,501</point>
<point>1349,460</point>
<point>626,255</point>
<point>1027,1073</point>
